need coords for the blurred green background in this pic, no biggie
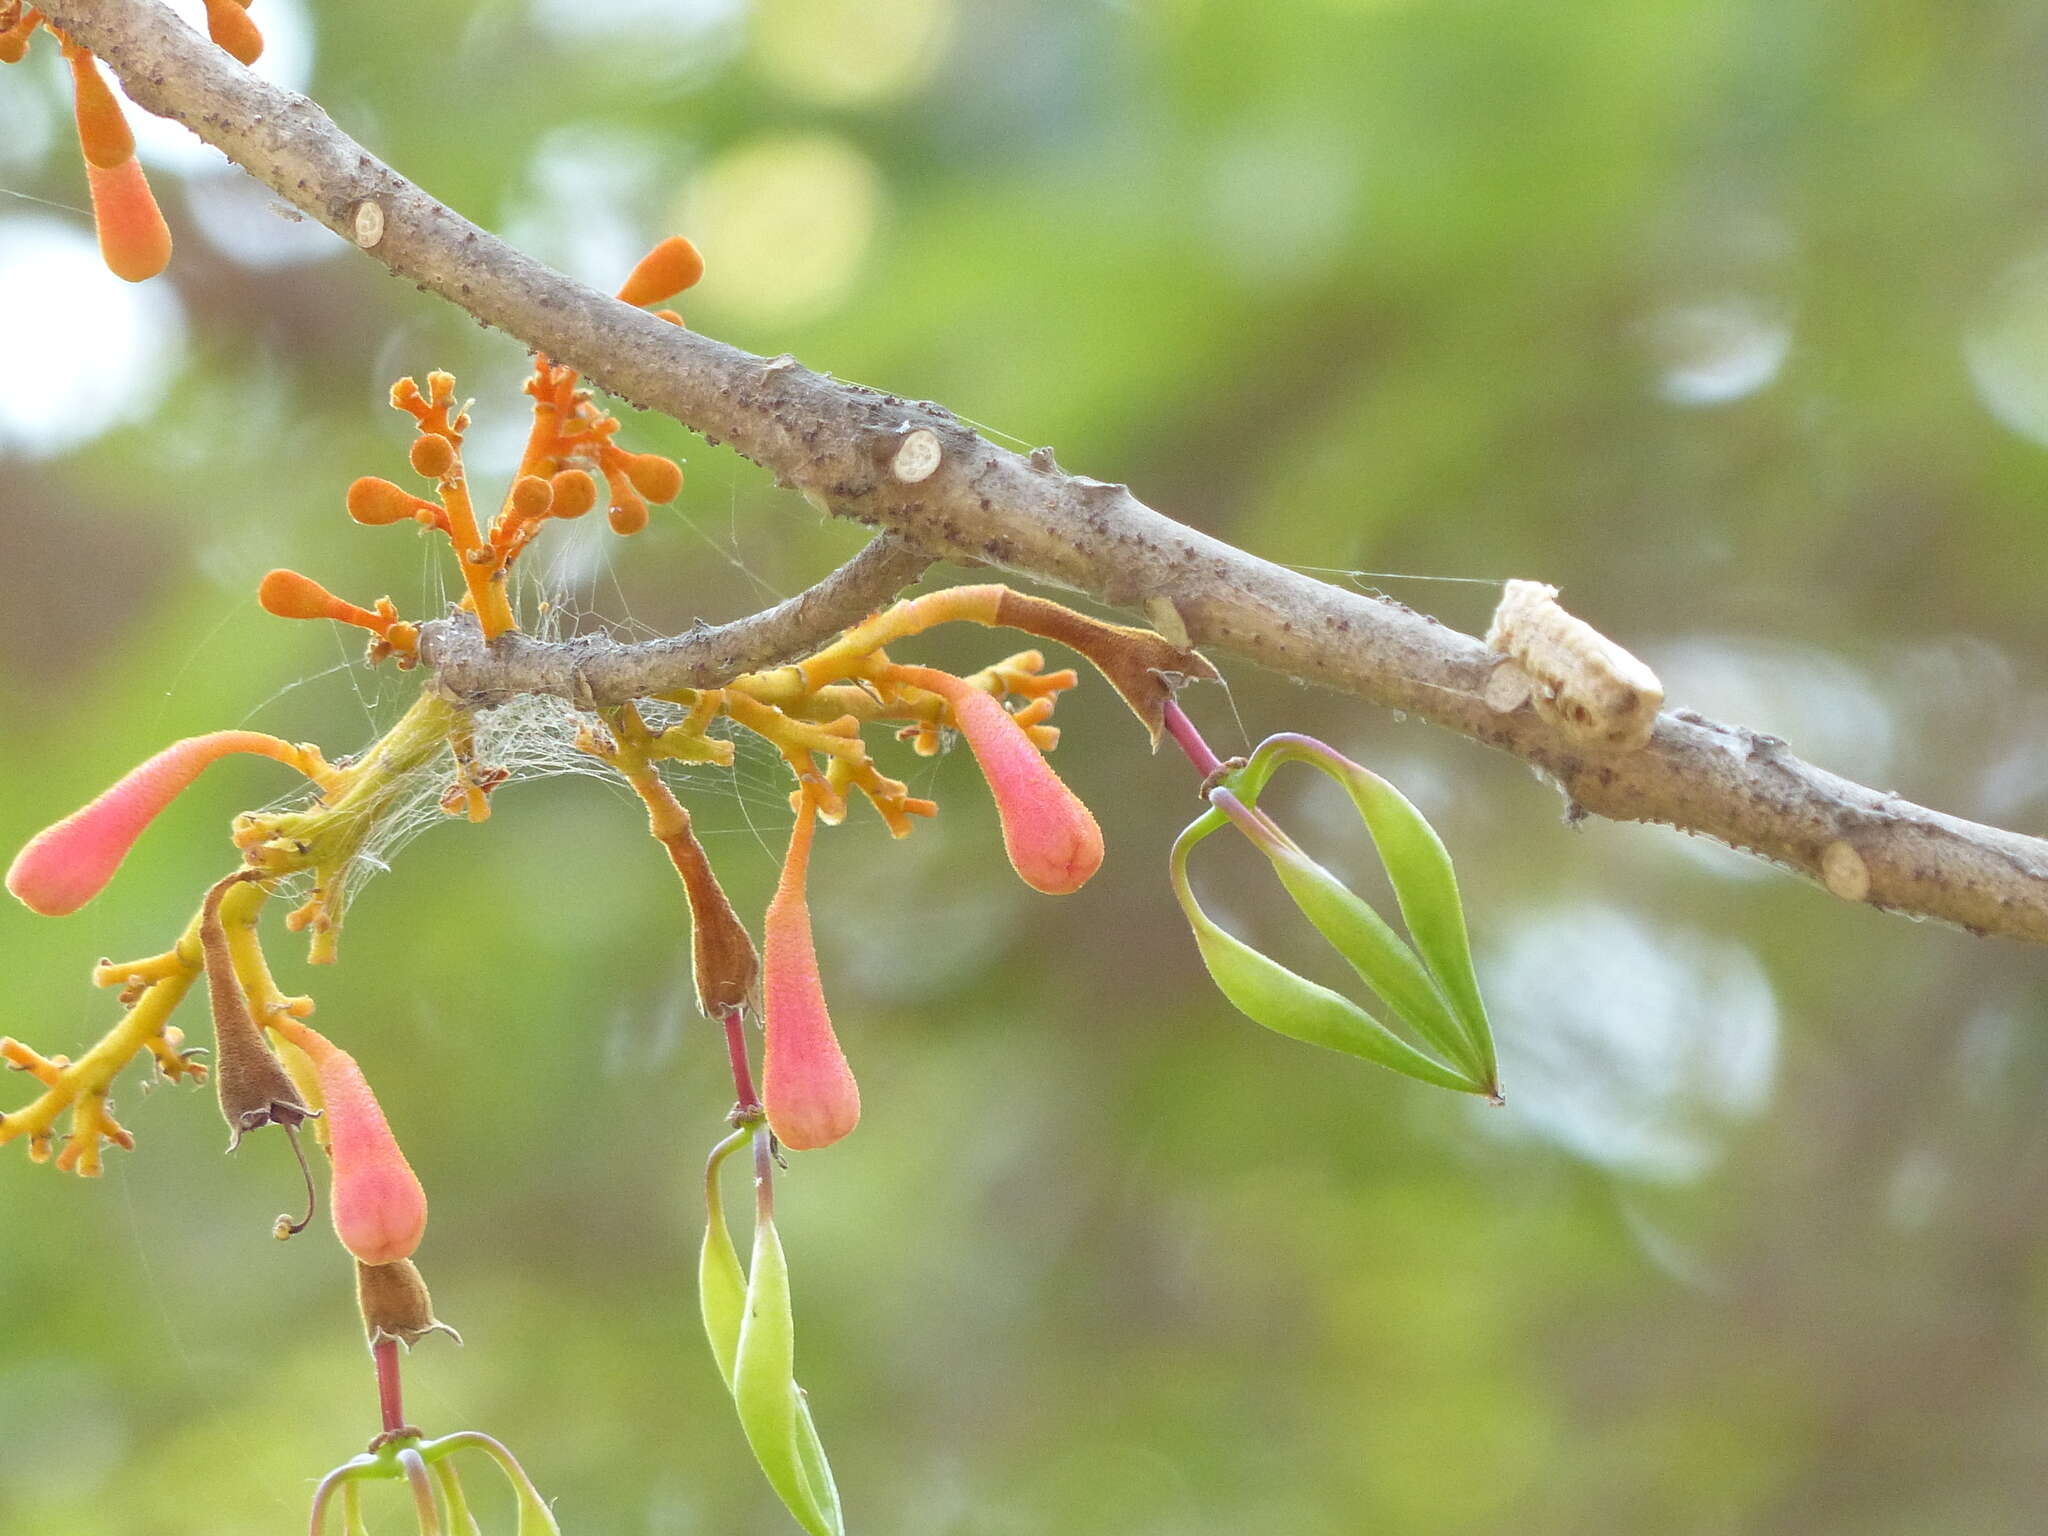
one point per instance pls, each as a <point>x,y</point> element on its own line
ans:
<point>1729,318</point>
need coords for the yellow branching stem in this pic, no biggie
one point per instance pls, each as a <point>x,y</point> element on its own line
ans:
<point>82,1086</point>
<point>324,839</point>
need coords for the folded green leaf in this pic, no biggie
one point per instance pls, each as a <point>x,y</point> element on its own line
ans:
<point>460,1521</point>
<point>817,1470</point>
<point>535,1518</point>
<point>1358,933</point>
<point>1268,993</point>
<point>1419,868</point>
<point>721,1286</point>
<point>764,1388</point>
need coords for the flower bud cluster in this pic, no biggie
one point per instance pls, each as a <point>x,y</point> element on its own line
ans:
<point>135,242</point>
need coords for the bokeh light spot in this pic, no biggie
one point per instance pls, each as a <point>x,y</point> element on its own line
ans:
<point>784,222</point>
<point>2006,347</point>
<point>1714,351</point>
<point>851,55</point>
<point>1630,1045</point>
<point>99,350</point>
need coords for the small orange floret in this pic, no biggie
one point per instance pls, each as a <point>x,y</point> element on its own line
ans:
<point>135,243</point>
<point>432,455</point>
<point>663,272</point>
<point>654,477</point>
<point>629,507</point>
<point>377,502</point>
<point>531,497</point>
<point>289,595</point>
<point>14,41</point>
<point>228,24</point>
<point>575,493</point>
<point>103,132</point>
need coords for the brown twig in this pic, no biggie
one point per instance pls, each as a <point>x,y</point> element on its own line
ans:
<point>912,468</point>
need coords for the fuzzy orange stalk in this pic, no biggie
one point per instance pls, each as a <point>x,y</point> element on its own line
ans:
<point>135,242</point>
<point>806,1085</point>
<point>64,866</point>
<point>380,1211</point>
<point>103,132</point>
<point>1053,840</point>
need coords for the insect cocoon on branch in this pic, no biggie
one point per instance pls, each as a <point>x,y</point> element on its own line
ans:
<point>1579,680</point>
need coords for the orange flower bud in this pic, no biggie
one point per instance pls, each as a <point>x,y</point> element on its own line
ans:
<point>14,41</point>
<point>135,243</point>
<point>377,502</point>
<point>1053,841</point>
<point>103,132</point>
<point>662,273</point>
<point>531,497</point>
<point>629,508</point>
<point>380,1211</point>
<point>64,866</point>
<point>228,24</point>
<point>656,478</point>
<point>432,454</point>
<point>575,493</point>
<point>292,596</point>
<point>806,1085</point>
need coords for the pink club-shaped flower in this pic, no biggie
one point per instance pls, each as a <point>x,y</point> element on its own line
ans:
<point>806,1086</point>
<point>1052,839</point>
<point>380,1210</point>
<point>65,865</point>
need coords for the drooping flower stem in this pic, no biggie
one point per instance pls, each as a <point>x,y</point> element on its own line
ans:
<point>1190,741</point>
<point>390,1398</point>
<point>764,1175</point>
<point>749,1104</point>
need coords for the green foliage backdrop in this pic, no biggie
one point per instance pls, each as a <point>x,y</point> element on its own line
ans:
<point>1730,318</point>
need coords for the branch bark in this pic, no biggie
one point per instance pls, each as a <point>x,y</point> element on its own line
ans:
<point>912,468</point>
<point>594,670</point>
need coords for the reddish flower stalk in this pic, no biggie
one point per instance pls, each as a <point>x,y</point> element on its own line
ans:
<point>806,1085</point>
<point>390,1392</point>
<point>380,1210</point>
<point>1053,840</point>
<point>1190,741</point>
<point>64,866</point>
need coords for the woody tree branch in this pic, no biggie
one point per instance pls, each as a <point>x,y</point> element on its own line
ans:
<point>913,469</point>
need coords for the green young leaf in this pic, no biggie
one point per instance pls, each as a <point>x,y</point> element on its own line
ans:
<point>721,1287</point>
<point>460,1521</point>
<point>1419,868</point>
<point>1358,933</point>
<point>421,1482</point>
<point>535,1518</point>
<point>763,1387</point>
<point>1268,993</point>
<point>817,1470</point>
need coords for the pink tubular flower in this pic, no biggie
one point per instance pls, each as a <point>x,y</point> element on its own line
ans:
<point>806,1085</point>
<point>64,866</point>
<point>1052,838</point>
<point>380,1211</point>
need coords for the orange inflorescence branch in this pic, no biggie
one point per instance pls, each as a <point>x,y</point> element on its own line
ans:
<point>135,242</point>
<point>815,713</point>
